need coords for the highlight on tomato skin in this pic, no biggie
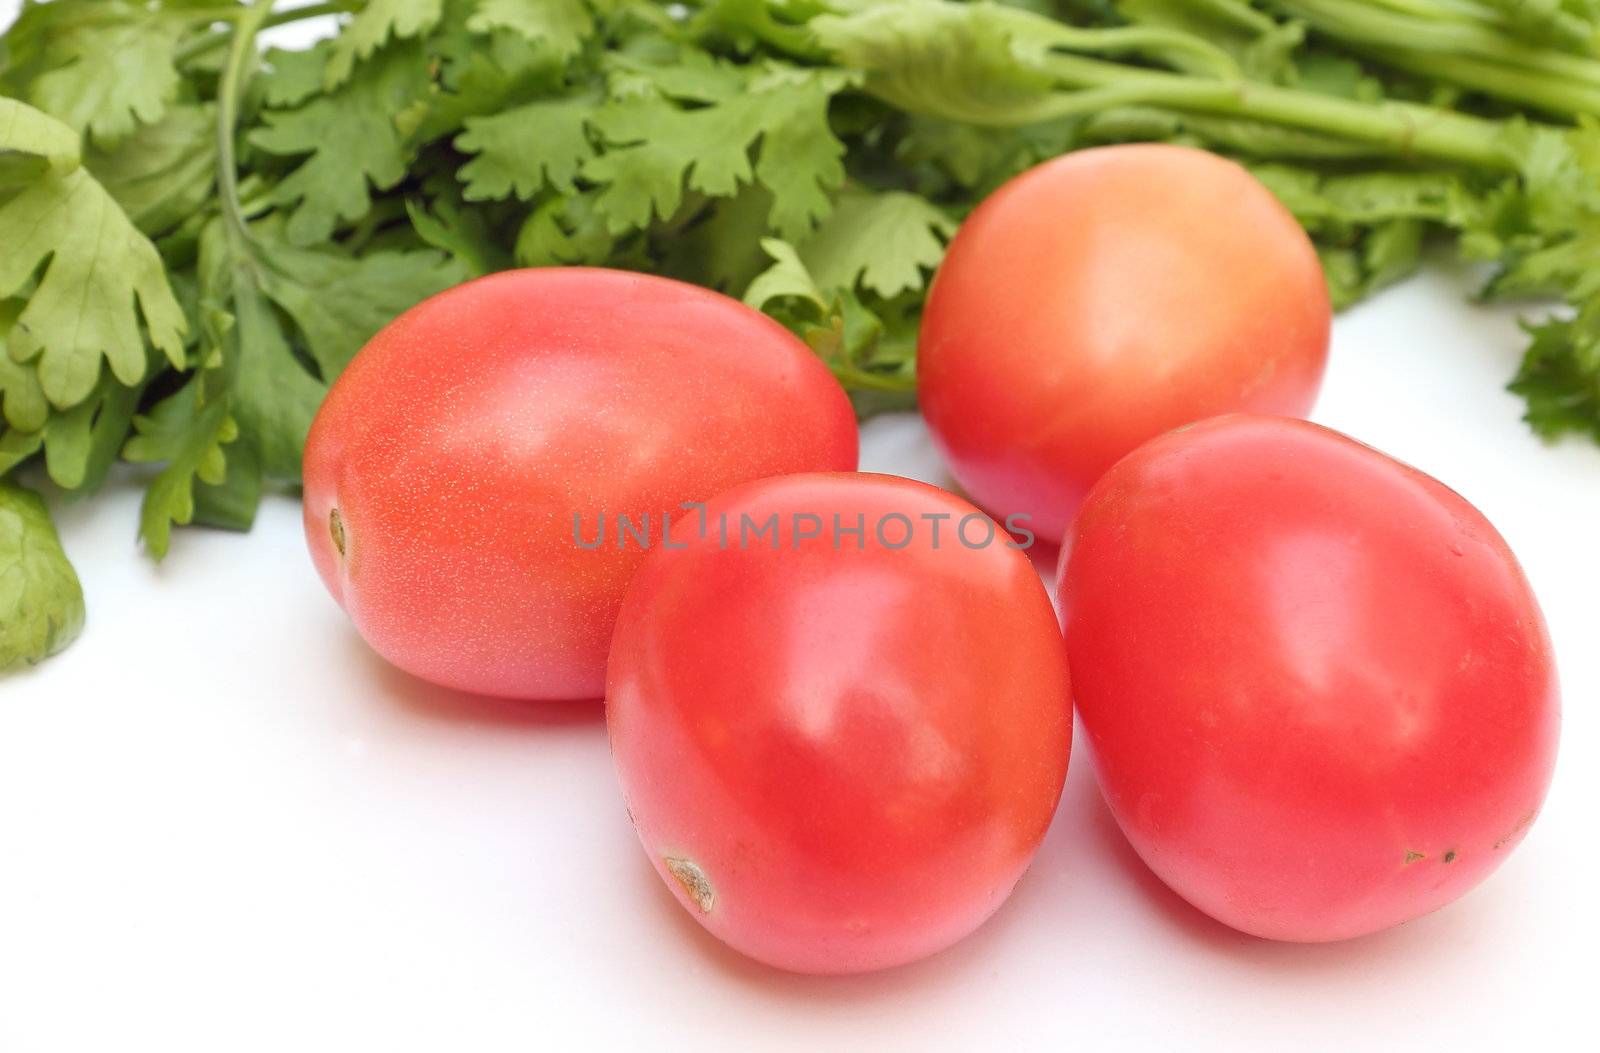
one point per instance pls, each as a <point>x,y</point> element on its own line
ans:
<point>1102,298</point>
<point>839,758</point>
<point>1317,690</point>
<point>465,452</point>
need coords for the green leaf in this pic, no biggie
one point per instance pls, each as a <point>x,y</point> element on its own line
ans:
<point>786,279</point>
<point>18,446</point>
<point>110,72</point>
<point>884,242</point>
<point>41,601</point>
<point>352,141</point>
<point>33,144</point>
<point>565,232</point>
<point>22,400</point>
<point>262,311</point>
<point>523,150</point>
<point>373,26</point>
<point>478,78</point>
<point>955,61</point>
<point>462,232</point>
<point>291,77</point>
<point>1560,376</point>
<point>164,172</point>
<point>188,432</point>
<point>100,269</point>
<point>338,301</point>
<point>657,148</point>
<point>560,26</point>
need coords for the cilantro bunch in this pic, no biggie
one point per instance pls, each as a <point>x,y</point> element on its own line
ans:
<point>196,235</point>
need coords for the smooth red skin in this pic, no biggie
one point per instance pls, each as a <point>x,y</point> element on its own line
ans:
<point>460,442</point>
<point>1318,691</point>
<point>860,749</point>
<point>1101,299</point>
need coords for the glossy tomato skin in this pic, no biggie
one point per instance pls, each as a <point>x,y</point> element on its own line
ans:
<point>1318,691</point>
<point>839,759</point>
<point>456,449</point>
<point>1102,298</point>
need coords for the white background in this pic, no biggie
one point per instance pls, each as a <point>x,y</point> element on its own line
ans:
<point>224,823</point>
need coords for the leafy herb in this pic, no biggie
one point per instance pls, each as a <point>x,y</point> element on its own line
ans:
<point>199,235</point>
<point>39,592</point>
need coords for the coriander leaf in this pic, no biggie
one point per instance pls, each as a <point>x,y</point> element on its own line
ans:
<point>657,148</point>
<point>41,601</point>
<point>25,407</point>
<point>1560,375</point>
<point>352,141</point>
<point>565,232</point>
<point>338,302</point>
<point>871,349</point>
<point>292,76</point>
<point>478,78</point>
<point>947,60</point>
<point>561,26</point>
<point>801,160</point>
<point>786,279</point>
<point>22,400</point>
<point>372,27</point>
<point>81,444</point>
<point>884,241</point>
<point>462,232</point>
<point>164,172</point>
<point>32,144</point>
<point>188,432</point>
<point>521,151</point>
<point>654,68</point>
<point>100,268</point>
<point>110,72</point>
<point>260,309</point>
<point>722,248</point>
<point>18,446</point>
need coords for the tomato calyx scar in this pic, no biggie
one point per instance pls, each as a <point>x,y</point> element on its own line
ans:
<point>336,530</point>
<point>694,882</point>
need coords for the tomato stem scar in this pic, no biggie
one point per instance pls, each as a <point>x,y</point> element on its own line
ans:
<point>694,882</point>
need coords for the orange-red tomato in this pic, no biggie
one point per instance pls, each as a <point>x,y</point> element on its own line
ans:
<point>840,749</point>
<point>1102,298</point>
<point>446,467</point>
<point>1318,692</point>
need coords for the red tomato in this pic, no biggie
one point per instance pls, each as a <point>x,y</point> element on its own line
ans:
<point>839,758</point>
<point>1318,692</point>
<point>445,469</point>
<point>1102,298</point>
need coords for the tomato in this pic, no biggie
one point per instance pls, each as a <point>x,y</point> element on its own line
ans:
<point>461,456</point>
<point>1317,689</point>
<point>840,750</point>
<point>1101,299</point>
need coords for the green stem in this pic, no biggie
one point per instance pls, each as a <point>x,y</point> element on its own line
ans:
<point>211,41</point>
<point>1146,39</point>
<point>1368,26</point>
<point>1406,129</point>
<point>241,54</point>
<point>1567,97</point>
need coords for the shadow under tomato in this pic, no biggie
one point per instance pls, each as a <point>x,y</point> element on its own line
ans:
<point>802,989</point>
<point>419,698</point>
<point>1404,948</point>
<point>1056,873</point>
